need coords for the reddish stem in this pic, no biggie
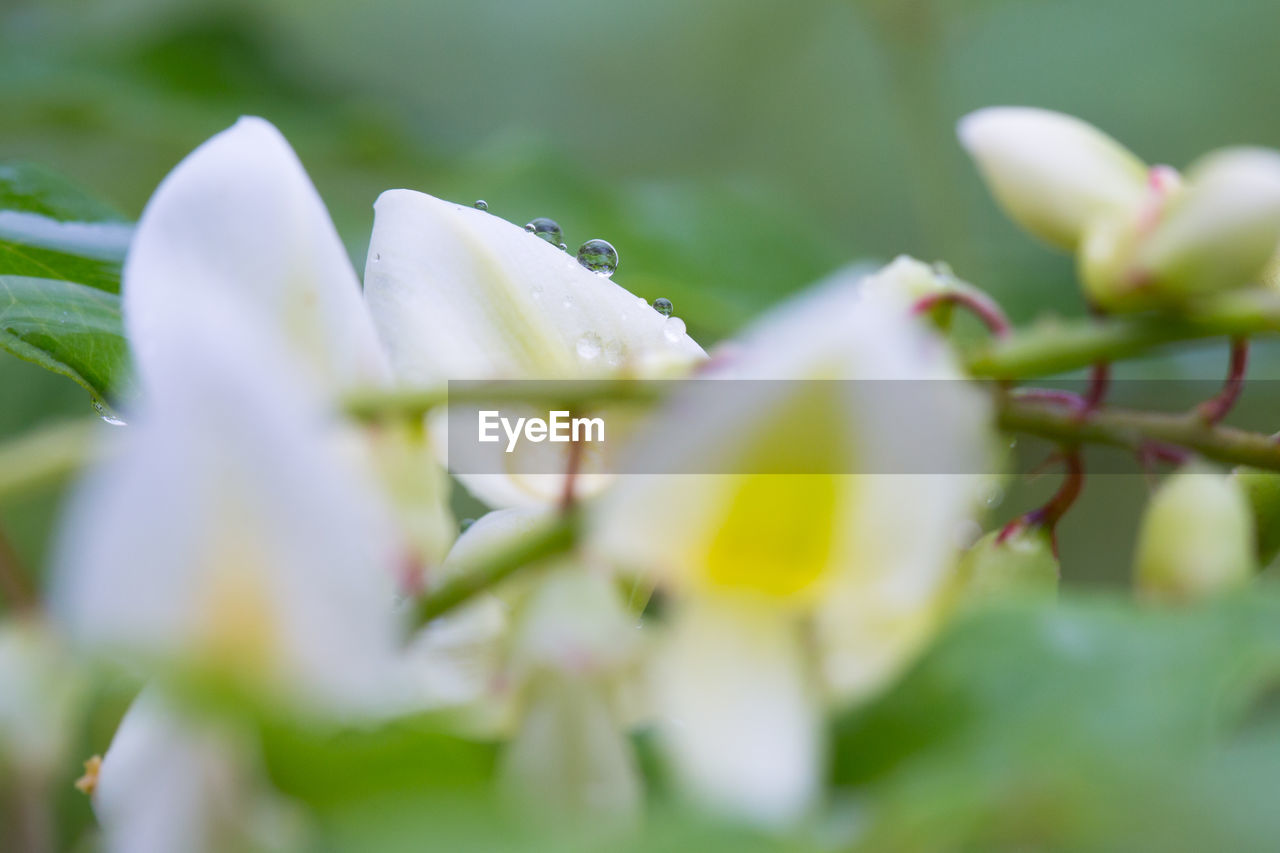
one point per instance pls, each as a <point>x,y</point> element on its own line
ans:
<point>573,465</point>
<point>1218,406</point>
<point>1057,506</point>
<point>975,302</point>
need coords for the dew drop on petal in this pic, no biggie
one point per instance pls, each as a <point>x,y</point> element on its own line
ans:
<point>598,256</point>
<point>547,229</point>
<point>663,306</point>
<point>994,496</point>
<point>589,346</point>
<point>481,204</point>
<point>377,257</point>
<point>613,353</point>
<point>564,247</point>
<point>674,329</point>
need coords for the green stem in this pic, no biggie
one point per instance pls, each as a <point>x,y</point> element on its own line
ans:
<point>1133,430</point>
<point>1060,346</point>
<point>558,537</point>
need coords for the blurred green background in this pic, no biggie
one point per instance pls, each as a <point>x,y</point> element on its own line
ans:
<point>733,151</point>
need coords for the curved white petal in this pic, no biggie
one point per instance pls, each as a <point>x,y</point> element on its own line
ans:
<point>458,293</point>
<point>239,217</point>
<point>228,530</point>
<point>739,719</point>
<point>167,784</point>
<point>1052,173</point>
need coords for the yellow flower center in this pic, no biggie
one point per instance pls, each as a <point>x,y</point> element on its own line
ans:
<point>777,537</point>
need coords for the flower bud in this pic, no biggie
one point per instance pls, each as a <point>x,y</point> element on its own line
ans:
<point>1217,232</point>
<point>1019,563</point>
<point>1262,490</point>
<point>1196,537</point>
<point>1053,174</point>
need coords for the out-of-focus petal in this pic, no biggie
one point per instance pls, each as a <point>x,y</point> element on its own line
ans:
<point>738,715</point>
<point>240,218</point>
<point>227,531</point>
<point>1052,173</point>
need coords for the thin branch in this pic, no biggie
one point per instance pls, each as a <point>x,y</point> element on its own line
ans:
<point>558,537</point>
<point>1218,406</point>
<point>1063,345</point>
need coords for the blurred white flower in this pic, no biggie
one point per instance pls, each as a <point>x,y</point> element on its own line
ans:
<point>460,294</point>
<point>239,223</point>
<point>789,586</point>
<point>173,782</point>
<point>228,535</point>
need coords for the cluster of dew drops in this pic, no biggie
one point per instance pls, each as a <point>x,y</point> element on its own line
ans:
<point>601,258</point>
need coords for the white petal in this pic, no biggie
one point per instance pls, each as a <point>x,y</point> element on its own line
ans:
<point>229,529</point>
<point>458,293</point>
<point>1052,173</point>
<point>167,784</point>
<point>570,757</point>
<point>927,420</point>
<point>740,721</point>
<point>240,218</point>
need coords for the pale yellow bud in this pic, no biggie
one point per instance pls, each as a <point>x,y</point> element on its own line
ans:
<point>1053,174</point>
<point>1020,563</point>
<point>1196,538</point>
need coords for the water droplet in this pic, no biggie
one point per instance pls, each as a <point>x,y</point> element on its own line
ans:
<point>994,496</point>
<point>466,522</point>
<point>673,329</point>
<point>564,247</point>
<point>613,353</point>
<point>377,257</point>
<point>598,256</point>
<point>481,204</point>
<point>663,306</point>
<point>589,346</point>
<point>547,229</point>
<point>106,415</point>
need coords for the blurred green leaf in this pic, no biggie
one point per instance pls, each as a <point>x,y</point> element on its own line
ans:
<point>1082,725</point>
<point>68,328</point>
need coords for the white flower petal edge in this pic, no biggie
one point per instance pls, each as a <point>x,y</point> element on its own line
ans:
<point>228,530</point>
<point>1052,173</point>
<point>458,293</point>
<point>239,217</point>
<point>167,783</point>
<point>739,716</point>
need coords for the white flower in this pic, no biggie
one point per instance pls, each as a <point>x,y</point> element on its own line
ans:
<point>755,561</point>
<point>238,223</point>
<point>1144,238</point>
<point>227,534</point>
<point>240,219</point>
<point>1052,173</point>
<point>460,294</point>
<point>1214,231</point>
<point>169,783</point>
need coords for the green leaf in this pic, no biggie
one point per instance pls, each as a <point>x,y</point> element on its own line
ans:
<point>1081,725</point>
<point>51,229</point>
<point>61,252</point>
<point>68,328</point>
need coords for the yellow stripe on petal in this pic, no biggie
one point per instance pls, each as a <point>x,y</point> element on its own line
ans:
<point>777,538</point>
